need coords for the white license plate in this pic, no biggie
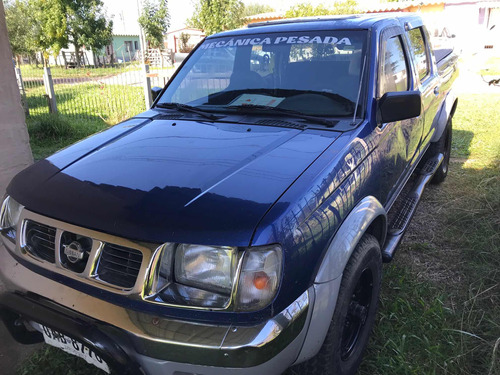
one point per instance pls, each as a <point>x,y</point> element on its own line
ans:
<point>71,346</point>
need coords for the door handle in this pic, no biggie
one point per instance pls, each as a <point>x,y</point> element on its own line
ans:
<point>436,90</point>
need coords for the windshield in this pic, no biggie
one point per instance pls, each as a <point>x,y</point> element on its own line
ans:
<point>314,73</point>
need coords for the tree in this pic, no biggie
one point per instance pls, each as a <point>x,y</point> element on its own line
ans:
<point>184,47</point>
<point>213,16</point>
<point>155,21</point>
<point>21,27</point>
<point>51,26</point>
<point>308,10</point>
<point>345,7</point>
<point>255,8</point>
<point>86,25</point>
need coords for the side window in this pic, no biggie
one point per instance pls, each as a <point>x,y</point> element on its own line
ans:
<point>417,43</point>
<point>393,74</point>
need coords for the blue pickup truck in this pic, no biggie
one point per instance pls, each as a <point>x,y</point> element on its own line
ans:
<point>239,226</point>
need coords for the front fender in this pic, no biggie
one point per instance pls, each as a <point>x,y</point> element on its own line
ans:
<point>329,276</point>
<point>347,237</point>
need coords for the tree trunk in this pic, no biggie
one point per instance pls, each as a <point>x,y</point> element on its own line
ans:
<point>77,54</point>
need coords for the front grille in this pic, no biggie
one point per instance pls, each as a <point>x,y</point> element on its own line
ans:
<point>119,265</point>
<point>40,241</point>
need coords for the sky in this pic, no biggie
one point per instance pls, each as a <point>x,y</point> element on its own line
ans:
<point>125,13</point>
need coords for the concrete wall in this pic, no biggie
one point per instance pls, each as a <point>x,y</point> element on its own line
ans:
<point>15,152</point>
<point>120,49</point>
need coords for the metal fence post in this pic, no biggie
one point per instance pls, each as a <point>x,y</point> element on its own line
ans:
<point>20,83</point>
<point>147,87</point>
<point>49,89</point>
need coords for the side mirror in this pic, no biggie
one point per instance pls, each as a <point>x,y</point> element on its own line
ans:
<point>397,106</point>
<point>155,91</point>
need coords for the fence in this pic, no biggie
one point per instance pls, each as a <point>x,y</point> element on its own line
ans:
<point>111,94</point>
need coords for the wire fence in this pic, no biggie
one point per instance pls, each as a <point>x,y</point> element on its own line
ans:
<point>111,94</point>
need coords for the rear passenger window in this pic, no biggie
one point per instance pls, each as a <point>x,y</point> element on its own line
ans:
<point>393,74</point>
<point>418,46</point>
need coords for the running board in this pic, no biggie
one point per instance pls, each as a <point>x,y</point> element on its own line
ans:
<point>400,223</point>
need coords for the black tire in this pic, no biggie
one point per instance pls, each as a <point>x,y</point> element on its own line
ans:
<point>443,145</point>
<point>348,336</point>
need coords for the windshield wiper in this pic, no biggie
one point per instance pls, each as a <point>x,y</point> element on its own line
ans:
<point>289,112</point>
<point>188,108</point>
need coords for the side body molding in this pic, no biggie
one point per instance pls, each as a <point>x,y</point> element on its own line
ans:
<point>347,237</point>
<point>329,277</point>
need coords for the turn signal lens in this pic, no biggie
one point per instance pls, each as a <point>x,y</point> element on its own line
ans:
<point>259,278</point>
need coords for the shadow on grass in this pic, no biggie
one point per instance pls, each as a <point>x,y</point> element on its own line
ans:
<point>440,302</point>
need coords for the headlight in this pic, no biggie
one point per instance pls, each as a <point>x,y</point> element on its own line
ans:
<point>206,267</point>
<point>208,276</point>
<point>9,217</point>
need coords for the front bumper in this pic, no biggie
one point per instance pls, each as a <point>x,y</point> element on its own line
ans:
<point>133,341</point>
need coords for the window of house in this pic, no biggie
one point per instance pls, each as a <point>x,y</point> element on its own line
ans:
<point>417,44</point>
<point>136,45</point>
<point>394,68</point>
<point>128,46</point>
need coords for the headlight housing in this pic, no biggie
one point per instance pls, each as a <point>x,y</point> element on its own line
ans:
<point>215,277</point>
<point>9,218</point>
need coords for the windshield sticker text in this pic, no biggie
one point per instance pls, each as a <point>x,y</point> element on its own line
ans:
<point>277,40</point>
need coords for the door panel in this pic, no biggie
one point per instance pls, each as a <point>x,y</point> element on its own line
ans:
<point>399,140</point>
<point>427,75</point>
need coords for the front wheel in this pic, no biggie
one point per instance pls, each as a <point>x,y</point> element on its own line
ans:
<point>354,314</point>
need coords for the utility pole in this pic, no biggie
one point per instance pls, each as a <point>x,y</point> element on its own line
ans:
<point>142,39</point>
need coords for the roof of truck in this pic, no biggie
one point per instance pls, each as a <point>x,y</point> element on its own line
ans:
<point>356,21</point>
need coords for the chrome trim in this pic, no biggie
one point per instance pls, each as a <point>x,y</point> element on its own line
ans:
<point>263,334</point>
<point>3,207</point>
<point>88,276</point>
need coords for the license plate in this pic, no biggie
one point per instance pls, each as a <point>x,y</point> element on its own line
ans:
<point>72,346</point>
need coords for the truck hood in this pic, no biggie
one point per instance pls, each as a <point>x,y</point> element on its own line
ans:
<point>171,181</point>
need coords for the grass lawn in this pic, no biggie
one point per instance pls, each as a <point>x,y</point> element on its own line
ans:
<point>440,301</point>
<point>31,71</point>
<point>492,67</point>
<point>61,72</point>
<point>111,103</point>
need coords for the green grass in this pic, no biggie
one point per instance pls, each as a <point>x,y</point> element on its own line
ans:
<point>49,133</point>
<point>440,302</point>
<point>492,67</point>
<point>111,103</point>
<point>32,71</point>
<point>49,360</point>
<point>83,110</point>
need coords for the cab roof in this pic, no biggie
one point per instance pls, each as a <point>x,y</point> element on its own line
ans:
<point>317,23</point>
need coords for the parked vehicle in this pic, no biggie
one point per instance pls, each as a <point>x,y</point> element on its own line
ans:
<point>238,226</point>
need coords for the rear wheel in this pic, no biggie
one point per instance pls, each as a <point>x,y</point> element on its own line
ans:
<point>443,145</point>
<point>354,314</point>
